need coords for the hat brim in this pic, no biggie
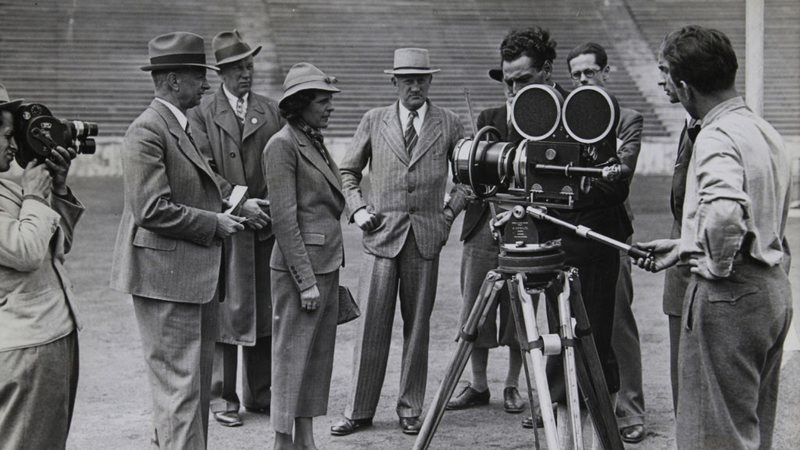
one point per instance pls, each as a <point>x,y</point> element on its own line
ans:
<point>310,86</point>
<point>155,67</point>
<point>496,75</point>
<point>411,71</point>
<point>11,105</point>
<point>235,58</point>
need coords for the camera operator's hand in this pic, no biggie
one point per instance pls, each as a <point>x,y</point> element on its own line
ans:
<point>254,210</point>
<point>58,163</point>
<point>36,180</point>
<point>309,298</point>
<point>365,220</point>
<point>228,224</point>
<point>449,216</point>
<point>664,251</point>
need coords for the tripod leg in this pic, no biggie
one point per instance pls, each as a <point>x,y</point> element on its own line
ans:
<point>535,358</point>
<point>486,298</point>
<point>570,374</point>
<point>516,313</point>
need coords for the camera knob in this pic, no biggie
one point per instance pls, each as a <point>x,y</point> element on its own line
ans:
<point>550,154</point>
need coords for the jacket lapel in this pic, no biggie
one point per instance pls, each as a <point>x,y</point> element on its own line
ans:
<point>309,152</point>
<point>393,133</point>
<point>184,144</point>
<point>255,111</point>
<point>225,118</point>
<point>430,132</point>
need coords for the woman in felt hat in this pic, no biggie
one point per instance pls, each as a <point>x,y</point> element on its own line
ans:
<point>306,200</point>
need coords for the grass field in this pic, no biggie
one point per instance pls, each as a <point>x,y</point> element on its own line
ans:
<point>113,407</point>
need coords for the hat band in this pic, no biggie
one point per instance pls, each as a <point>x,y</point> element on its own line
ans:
<point>411,68</point>
<point>237,48</point>
<point>180,58</point>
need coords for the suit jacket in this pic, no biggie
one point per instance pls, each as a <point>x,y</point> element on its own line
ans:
<point>629,142</point>
<point>406,191</point>
<point>37,305</point>
<point>306,198</point>
<point>237,155</point>
<point>166,247</point>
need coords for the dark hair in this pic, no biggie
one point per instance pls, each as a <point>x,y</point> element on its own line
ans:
<point>534,43</point>
<point>701,57</point>
<point>589,48</point>
<point>292,108</point>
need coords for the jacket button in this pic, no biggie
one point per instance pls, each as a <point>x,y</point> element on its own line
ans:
<point>232,154</point>
<point>411,189</point>
<point>411,210</point>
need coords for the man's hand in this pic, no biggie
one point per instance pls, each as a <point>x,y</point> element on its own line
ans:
<point>228,224</point>
<point>365,220</point>
<point>449,216</point>
<point>58,163</point>
<point>309,298</point>
<point>36,180</point>
<point>664,251</point>
<point>254,211</point>
<point>700,267</point>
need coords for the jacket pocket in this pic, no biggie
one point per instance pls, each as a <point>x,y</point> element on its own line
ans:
<point>314,238</point>
<point>147,239</point>
<point>730,291</point>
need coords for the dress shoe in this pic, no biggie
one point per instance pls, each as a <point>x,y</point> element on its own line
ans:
<point>410,425</point>
<point>468,398</point>
<point>632,434</point>
<point>347,426</point>
<point>527,422</point>
<point>257,410</point>
<point>512,402</point>
<point>228,418</point>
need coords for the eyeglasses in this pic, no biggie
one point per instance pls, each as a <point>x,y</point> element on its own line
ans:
<point>588,73</point>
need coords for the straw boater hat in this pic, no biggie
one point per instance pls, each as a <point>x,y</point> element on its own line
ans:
<point>7,104</point>
<point>176,50</point>
<point>229,47</point>
<point>411,61</point>
<point>304,76</point>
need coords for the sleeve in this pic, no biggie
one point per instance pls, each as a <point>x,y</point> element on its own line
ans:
<point>280,171</point>
<point>721,216</point>
<point>25,240</point>
<point>629,139</point>
<point>352,166</point>
<point>70,209</point>
<point>148,192</point>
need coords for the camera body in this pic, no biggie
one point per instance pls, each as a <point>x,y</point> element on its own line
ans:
<point>566,143</point>
<point>38,132</point>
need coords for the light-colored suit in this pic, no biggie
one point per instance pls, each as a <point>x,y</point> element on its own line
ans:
<point>307,202</point>
<point>167,256</point>
<point>407,194</point>
<point>38,341</point>
<point>245,317</point>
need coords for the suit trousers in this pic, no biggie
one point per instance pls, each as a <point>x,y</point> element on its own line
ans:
<point>676,282</point>
<point>256,376</point>
<point>37,394</point>
<point>178,345</point>
<point>730,357</point>
<point>415,277</point>
<point>625,341</point>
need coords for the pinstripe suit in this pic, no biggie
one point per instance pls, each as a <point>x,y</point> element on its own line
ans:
<point>402,252</point>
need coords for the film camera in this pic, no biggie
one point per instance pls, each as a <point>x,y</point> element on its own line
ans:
<point>38,132</point>
<point>566,143</point>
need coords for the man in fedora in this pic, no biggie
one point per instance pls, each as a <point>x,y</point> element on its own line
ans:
<point>232,128</point>
<point>406,221</point>
<point>168,250</point>
<point>38,322</point>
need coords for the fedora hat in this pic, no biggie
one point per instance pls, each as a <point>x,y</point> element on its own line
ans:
<point>229,47</point>
<point>411,61</point>
<point>7,104</point>
<point>304,76</point>
<point>176,50</point>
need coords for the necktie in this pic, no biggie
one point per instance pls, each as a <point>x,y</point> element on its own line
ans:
<point>693,132</point>
<point>411,133</point>
<point>240,110</point>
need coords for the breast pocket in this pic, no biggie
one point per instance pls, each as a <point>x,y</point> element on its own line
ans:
<point>147,239</point>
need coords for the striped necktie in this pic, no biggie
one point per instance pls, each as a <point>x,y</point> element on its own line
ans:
<point>240,110</point>
<point>411,133</point>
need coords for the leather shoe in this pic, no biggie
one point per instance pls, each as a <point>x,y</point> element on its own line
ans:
<point>257,410</point>
<point>527,422</point>
<point>467,399</point>
<point>347,426</point>
<point>410,425</point>
<point>632,434</point>
<point>512,402</point>
<point>228,418</point>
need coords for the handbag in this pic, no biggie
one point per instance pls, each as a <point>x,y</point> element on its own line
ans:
<point>348,309</point>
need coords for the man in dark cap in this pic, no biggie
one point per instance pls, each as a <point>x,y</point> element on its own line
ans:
<point>231,128</point>
<point>168,250</point>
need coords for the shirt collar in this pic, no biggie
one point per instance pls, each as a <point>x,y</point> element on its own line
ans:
<point>420,112</point>
<point>182,120</point>
<point>722,109</point>
<point>232,99</point>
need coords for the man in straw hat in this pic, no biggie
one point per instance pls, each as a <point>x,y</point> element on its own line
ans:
<point>231,128</point>
<point>168,251</point>
<point>38,323</point>
<point>406,221</point>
